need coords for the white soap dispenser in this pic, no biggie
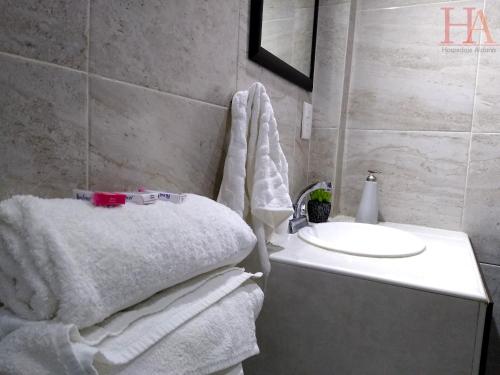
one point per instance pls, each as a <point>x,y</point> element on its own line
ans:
<point>368,207</point>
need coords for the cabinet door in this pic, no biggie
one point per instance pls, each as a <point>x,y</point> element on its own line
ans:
<point>314,322</point>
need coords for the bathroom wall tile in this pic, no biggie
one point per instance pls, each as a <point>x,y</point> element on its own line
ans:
<point>332,2</point>
<point>482,211</point>
<point>183,47</point>
<point>492,276</point>
<point>378,4</point>
<point>144,137</point>
<point>422,180</point>
<point>343,316</point>
<point>323,154</point>
<point>402,80</point>
<point>53,31</point>
<point>331,47</point>
<point>487,110</point>
<point>43,129</point>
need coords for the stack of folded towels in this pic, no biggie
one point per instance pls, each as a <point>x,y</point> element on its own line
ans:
<point>128,290</point>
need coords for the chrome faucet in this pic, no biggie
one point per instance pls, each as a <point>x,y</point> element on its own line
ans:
<point>299,219</point>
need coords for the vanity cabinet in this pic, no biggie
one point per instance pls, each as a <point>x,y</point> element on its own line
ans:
<point>330,313</point>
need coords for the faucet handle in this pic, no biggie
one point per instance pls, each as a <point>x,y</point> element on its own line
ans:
<point>300,211</point>
<point>371,176</point>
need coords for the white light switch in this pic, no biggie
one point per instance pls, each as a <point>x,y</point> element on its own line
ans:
<point>307,112</point>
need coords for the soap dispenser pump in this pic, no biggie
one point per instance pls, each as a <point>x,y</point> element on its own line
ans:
<point>368,207</point>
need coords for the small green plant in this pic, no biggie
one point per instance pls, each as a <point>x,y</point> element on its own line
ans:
<point>321,195</point>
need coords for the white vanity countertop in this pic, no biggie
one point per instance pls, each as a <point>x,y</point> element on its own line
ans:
<point>447,266</point>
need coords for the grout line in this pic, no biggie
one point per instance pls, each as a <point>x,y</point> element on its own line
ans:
<point>325,127</point>
<point>486,133</point>
<point>88,98</point>
<point>238,48</point>
<point>346,86</point>
<point>308,155</point>
<point>88,36</point>
<point>291,175</point>
<point>156,91</point>
<point>411,130</point>
<point>88,135</point>
<point>35,61</point>
<point>52,65</point>
<point>278,19</point>
<point>462,219</point>
<point>323,130</point>
<point>413,5</point>
<point>490,264</point>
<point>291,171</point>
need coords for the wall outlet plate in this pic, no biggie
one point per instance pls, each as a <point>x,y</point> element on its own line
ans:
<point>307,112</point>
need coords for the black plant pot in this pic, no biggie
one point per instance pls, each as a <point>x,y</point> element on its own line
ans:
<point>318,211</point>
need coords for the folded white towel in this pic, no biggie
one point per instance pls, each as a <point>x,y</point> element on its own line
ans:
<point>198,327</point>
<point>129,334</point>
<point>40,347</point>
<point>65,259</point>
<point>220,337</point>
<point>255,181</point>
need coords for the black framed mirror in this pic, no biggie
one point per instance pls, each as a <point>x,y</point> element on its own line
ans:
<point>283,38</point>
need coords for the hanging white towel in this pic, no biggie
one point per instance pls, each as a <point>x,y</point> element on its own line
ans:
<point>255,181</point>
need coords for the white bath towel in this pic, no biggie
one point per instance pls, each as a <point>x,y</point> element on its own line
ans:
<point>220,337</point>
<point>255,181</point>
<point>199,327</point>
<point>65,259</point>
<point>40,347</point>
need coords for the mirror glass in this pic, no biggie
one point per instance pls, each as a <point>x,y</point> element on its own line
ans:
<point>287,31</point>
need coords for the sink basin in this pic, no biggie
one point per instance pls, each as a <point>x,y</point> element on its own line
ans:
<point>363,239</point>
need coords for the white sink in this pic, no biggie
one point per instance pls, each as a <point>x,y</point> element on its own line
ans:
<point>363,239</point>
